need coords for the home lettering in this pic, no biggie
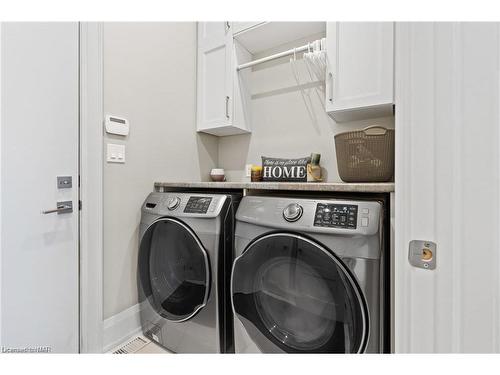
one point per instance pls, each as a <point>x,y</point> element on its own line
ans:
<point>295,172</point>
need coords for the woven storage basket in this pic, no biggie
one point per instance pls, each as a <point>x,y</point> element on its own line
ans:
<point>366,155</point>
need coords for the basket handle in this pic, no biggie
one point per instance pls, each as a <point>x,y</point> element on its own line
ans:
<point>369,130</point>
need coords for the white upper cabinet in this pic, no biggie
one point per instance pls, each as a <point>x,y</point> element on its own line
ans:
<point>360,70</point>
<point>220,110</point>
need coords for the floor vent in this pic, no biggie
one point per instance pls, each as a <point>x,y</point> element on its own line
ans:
<point>132,346</point>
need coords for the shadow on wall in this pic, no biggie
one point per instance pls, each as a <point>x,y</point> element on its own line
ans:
<point>291,75</point>
<point>133,250</point>
<point>208,154</point>
<point>340,127</point>
<point>238,159</point>
<point>309,92</point>
<point>235,156</point>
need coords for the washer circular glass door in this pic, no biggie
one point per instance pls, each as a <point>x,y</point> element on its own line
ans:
<point>174,270</point>
<point>293,295</point>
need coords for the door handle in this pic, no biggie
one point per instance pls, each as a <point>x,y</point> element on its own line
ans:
<point>227,107</point>
<point>64,207</point>
<point>330,76</point>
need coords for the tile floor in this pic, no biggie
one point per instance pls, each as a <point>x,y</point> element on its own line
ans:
<point>152,348</point>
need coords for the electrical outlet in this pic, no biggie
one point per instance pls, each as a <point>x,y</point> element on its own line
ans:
<point>248,170</point>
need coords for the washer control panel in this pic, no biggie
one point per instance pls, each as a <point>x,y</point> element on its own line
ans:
<point>197,205</point>
<point>336,215</point>
<point>326,216</point>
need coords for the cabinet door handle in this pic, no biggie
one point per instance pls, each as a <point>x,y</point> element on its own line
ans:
<point>330,95</point>
<point>227,107</point>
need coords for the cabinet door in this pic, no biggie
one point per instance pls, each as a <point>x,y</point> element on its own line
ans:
<point>214,80</point>
<point>359,81</point>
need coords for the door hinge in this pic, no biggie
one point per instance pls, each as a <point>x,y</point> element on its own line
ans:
<point>79,205</point>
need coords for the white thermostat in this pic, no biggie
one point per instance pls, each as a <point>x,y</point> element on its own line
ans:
<point>116,125</point>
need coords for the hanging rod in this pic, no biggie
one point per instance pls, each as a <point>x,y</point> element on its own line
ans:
<point>275,56</point>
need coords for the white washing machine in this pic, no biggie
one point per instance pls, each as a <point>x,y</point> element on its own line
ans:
<point>308,276</point>
<point>185,258</point>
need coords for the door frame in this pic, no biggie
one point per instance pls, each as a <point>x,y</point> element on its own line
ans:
<point>1,127</point>
<point>91,187</point>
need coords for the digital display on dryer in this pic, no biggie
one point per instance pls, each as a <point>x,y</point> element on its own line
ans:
<point>336,215</point>
<point>197,205</point>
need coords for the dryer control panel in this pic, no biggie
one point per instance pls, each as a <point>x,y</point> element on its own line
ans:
<point>197,205</point>
<point>336,215</point>
<point>180,204</point>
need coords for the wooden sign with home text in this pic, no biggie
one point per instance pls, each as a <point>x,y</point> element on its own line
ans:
<point>289,170</point>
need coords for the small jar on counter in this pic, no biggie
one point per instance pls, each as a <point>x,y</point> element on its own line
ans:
<point>314,169</point>
<point>256,173</point>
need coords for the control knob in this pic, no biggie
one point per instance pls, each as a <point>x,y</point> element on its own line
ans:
<point>293,212</point>
<point>173,203</point>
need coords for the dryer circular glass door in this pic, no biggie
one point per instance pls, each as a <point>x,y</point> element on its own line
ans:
<point>293,295</point>
<point>174,270</point>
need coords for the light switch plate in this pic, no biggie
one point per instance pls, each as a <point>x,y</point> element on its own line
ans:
<point>115,153</point>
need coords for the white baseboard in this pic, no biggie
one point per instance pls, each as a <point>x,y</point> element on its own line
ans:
<point>121,327</point>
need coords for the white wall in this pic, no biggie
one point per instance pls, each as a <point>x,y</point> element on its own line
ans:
<point>283,125</point>
<point>149,78</point>
<point>447,186</point>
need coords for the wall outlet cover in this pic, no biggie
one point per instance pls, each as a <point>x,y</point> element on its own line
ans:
<point>248,170</point>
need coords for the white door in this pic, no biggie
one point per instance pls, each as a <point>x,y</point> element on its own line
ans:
<point>448,186</point>
<point>214,77</point>
<point>39,141</point>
